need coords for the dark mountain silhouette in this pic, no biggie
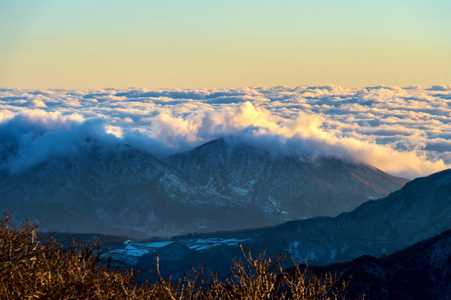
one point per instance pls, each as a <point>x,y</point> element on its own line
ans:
<point>421,271</point>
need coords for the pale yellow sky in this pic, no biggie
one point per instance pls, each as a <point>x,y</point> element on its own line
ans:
<point>201,44</point>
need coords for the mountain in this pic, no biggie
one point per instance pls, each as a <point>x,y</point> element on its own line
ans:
<point>217,186</point>
<point>283,186</point>
<point>418,272</point>
<point>420,210</point>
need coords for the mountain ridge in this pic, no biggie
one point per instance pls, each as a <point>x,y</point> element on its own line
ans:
<point>420,210</point>
<point>216,186</point>
<point>420,271</point>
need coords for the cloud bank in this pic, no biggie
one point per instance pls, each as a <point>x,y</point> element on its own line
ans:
<point>403,131</point>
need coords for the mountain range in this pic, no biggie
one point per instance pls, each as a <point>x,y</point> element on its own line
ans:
<point>220,185</point>
<point>420,210</point>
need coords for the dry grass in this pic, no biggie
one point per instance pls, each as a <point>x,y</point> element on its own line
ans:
<point>32,267</point>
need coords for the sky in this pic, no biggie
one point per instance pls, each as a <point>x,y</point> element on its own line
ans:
<point>223,44</point>
<point>402,131</point>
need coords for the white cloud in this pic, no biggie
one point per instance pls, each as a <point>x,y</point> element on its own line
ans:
<point>37,103</point>
<point>405,131</point>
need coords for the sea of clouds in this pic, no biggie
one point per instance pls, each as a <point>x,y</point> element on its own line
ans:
<point>403,131</point>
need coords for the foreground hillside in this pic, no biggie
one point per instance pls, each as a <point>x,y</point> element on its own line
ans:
<point>421,271</point>
<point>221,185</point>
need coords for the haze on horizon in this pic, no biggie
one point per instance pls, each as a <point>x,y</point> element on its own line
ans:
<point>223,44</point>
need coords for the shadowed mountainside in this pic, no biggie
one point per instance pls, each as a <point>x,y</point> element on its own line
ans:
<point>418,272</point>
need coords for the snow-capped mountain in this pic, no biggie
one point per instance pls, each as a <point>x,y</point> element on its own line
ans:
<point>216,186</point>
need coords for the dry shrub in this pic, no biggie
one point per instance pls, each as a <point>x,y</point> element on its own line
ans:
<point>256,278</point>
<point>32,267</point>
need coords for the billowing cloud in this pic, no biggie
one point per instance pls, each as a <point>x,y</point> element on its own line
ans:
<point>404,131</point>
<point>37,103</point>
